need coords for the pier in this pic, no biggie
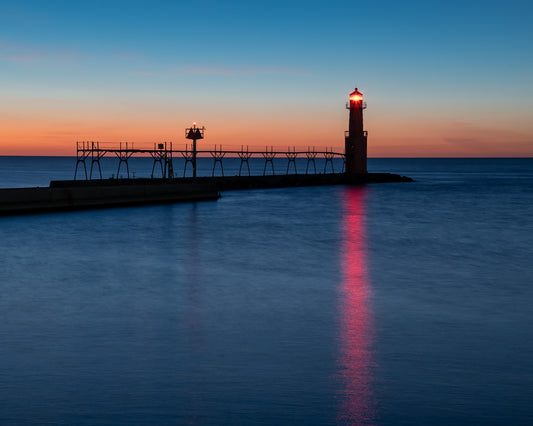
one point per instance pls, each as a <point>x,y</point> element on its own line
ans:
<point>354,157</point>
<point>166,185</point>
<point>164,153</point>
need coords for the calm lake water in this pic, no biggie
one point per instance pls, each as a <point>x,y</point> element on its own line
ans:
<point>385,304</point>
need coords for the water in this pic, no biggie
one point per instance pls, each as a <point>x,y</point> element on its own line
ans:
<point>384,304</point>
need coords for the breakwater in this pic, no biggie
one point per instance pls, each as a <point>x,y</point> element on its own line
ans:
<point>226,183</point>
<point>107,193</point>
<point>110,194</point>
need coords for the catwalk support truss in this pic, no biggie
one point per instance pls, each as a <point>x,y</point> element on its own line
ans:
<point>163,154</point>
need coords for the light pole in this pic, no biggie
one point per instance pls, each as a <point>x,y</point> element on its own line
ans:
<point>194,133</point>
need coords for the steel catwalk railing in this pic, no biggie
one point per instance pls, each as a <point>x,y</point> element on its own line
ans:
<point>162,154</point>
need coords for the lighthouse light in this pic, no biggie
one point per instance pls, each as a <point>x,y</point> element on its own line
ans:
<point>356,97</point>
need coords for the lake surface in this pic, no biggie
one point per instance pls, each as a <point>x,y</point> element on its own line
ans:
<point>406,303</point>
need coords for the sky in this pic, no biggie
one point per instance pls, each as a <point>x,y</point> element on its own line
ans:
<point>440,78</point>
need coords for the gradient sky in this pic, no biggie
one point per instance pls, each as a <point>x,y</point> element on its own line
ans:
<point>441,78</point>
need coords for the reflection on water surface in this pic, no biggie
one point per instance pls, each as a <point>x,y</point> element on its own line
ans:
<point>356,357</point>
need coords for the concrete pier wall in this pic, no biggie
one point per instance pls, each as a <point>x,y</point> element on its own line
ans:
<point>225,183</point>
<point>37,200</point>
<point>91,194</point>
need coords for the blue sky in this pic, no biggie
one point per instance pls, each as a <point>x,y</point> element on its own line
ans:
<point>422,66</point>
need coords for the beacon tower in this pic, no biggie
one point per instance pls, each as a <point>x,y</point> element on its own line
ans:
<point>355,137</point>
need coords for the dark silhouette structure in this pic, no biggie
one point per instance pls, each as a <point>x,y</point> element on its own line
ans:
<point>116,192</point>
<point>194,133</point>
<point>355,137</point>
<point>354,156</point>
<point>163,154</point>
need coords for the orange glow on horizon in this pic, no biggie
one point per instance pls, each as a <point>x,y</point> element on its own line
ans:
<point>392,133</point>
<point>56,136</point>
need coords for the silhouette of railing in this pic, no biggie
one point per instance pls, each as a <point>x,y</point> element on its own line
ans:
<point>163,154</point>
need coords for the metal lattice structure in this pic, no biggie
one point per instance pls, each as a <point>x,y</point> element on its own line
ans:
<point>163,154</point>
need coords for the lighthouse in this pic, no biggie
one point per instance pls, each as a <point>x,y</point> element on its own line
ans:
<point>355,137</point>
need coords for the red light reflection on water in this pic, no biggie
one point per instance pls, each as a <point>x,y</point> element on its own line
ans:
<point>356,334</point>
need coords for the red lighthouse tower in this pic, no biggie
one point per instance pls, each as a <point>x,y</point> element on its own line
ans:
<point>355,137</point>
